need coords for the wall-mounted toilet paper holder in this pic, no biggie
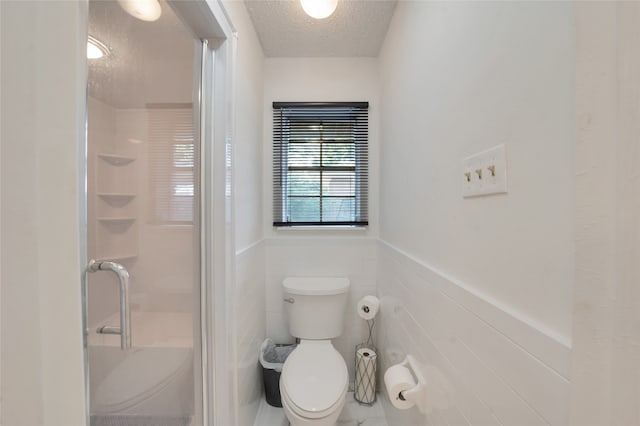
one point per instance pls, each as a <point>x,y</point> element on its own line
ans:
<point>418,393</point>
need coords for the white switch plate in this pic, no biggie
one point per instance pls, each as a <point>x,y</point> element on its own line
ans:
<point>485,173</point>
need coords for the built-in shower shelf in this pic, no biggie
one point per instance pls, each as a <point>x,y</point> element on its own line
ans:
<point>116,220</point>
<point>116,160</point>
<point>116,197</point>
<point>119,258</point>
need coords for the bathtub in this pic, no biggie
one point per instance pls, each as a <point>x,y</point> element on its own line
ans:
<point>154,378</point>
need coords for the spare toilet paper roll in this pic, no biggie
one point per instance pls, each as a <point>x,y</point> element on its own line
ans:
<point>398,379</point>
<point>368,307</point>
<point>365,376</point>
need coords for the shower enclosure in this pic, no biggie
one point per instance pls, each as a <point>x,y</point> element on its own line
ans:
<point>148,295</point>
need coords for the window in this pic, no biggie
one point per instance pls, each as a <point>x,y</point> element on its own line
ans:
<point>171,167</point>
<point>320,164</point>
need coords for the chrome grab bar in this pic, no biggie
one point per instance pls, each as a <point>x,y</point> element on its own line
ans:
<point>125,312</point>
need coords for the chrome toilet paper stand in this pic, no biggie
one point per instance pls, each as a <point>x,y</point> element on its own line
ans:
<point>366,379</point>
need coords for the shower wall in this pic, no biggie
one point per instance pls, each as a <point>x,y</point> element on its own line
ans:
<point>158,257</point>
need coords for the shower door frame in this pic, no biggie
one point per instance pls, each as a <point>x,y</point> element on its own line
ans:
<point>208,23</point>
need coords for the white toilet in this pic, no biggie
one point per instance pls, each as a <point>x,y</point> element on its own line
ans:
<point>314,379</point>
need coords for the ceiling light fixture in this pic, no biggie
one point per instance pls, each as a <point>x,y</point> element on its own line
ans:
<point>96,49</point>
<point>319,9</point>
<point>145,10</point>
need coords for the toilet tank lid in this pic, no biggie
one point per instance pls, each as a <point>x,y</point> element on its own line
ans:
<point>319,286</point>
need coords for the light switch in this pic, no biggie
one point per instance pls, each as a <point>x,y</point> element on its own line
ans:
<point>485,173</point>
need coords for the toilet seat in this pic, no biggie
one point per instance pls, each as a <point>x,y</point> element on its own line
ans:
<point>314,379</point>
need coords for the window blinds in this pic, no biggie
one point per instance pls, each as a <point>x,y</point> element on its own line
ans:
<point>171,165</point>
<point>320,164</point>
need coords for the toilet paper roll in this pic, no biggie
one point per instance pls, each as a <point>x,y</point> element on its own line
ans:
<point>398,379</point>
<point>368,307</point>
<point>365,376</point>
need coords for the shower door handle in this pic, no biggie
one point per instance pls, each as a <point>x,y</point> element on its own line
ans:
<point>125,311</point>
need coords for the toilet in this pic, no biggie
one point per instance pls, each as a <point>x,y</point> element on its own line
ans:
<point>314,379</point>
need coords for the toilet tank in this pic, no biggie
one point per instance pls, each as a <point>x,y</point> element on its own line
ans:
<point>315,307</point>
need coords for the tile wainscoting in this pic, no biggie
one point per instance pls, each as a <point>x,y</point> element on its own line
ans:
<point>250,330</point>
<point>485,364</point>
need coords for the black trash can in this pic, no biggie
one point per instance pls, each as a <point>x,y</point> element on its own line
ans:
<point>272,357</point>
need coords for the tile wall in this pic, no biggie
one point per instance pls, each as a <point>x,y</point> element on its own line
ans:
<point>485,365</point>
<point>250,330</point>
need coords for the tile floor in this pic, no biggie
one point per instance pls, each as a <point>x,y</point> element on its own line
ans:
<point>353,414</point>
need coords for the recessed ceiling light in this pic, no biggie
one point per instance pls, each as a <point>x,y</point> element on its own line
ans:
<point>319,9</point>
<point>145,10</point>
<point>96,49</point>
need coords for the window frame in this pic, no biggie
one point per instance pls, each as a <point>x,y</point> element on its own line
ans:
<point>323,114</point>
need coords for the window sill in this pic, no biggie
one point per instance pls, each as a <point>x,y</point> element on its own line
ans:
<point>321,228</point>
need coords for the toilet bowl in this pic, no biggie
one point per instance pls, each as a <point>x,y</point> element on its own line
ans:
<point>313,384</point>
<point>314,378</point>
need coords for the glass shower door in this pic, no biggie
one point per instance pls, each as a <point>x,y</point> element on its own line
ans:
<point>142,159</point>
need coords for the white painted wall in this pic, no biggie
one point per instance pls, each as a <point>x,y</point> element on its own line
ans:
<point>605,374</point>
<point>1,233</point>
<point>458,79</point>
<point>249,289</point>
<point>248,147</point>
<point>480,289</point>
<point>43,105</point>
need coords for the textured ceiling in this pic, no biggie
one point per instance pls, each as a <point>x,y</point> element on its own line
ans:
<point>150,62</point>
<point>356,28</point>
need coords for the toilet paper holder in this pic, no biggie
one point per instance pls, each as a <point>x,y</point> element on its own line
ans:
<point>418,393</point>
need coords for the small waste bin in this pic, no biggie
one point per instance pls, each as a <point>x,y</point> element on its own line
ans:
<point>272,357</point>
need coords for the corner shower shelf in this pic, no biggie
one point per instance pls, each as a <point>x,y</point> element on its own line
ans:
<point>116,219</point>
<point>116,197</point>
<point>119,258</point>
<point>116,160</point>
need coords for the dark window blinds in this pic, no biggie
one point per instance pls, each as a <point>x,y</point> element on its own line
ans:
<point>320,164</point>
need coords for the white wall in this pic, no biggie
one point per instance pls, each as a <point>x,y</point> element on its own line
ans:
<point>605,378</point>
<point>43,106</point>
<point>248,147</point>
<point>1,233</point>
<point>249,290</point>
<point>480,288</point>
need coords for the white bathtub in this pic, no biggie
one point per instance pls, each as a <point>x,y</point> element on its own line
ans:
<point>155,377</point>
